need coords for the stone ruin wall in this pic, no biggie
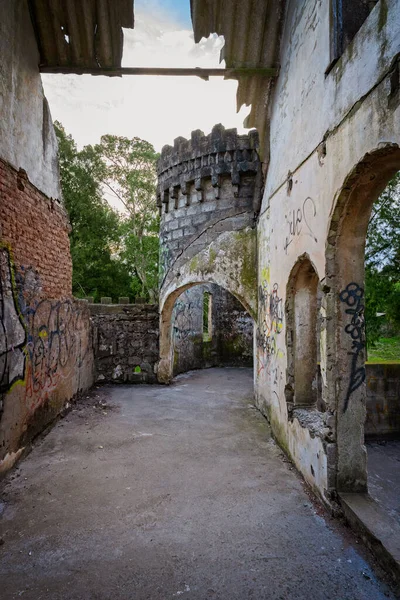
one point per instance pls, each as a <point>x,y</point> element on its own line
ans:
<point>125,342</point>
<point>207,186</point>
<point>209,191</point>
<point>231,339</point>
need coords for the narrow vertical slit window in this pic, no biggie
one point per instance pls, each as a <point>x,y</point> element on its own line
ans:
<point>207,316</point>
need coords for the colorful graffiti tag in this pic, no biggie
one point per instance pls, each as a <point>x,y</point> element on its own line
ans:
<point>270,322</point>
<point>353,297</point>
<point>42,342</point>
<point>12,330</point>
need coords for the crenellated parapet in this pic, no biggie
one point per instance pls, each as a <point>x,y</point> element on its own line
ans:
<point>207,185</point>
<point>206,158</point>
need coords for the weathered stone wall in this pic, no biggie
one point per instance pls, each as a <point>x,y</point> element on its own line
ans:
<point>46,354</point>
<point>125,342</point>
<point>383,401</point>
<point>207,184</point>
<point>209,195</point>
<point>334,141</point>
<point>230,342</point>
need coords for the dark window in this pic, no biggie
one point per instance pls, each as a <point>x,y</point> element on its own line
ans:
<point>346,18</point>
<point>207,316</point>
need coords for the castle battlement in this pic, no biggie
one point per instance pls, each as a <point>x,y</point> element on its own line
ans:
<point>223,154</point>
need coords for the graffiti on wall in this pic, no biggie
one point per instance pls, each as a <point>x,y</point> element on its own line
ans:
<point>270,322</point>
<point>12,330</point>
<point>165,257</point>
<point>41,342</point>
<point>300,221</point>
<point>184,325</point>
<point>353,297</point>
<point>57,343</point>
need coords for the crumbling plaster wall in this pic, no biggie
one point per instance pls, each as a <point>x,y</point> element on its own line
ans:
<point>46,354</point>
<point>322,127</point>
<point>27,138</point>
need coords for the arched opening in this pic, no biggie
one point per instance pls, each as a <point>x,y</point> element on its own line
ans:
<point>302,334</point>
<point>345,296</point>
<point>204,325</point>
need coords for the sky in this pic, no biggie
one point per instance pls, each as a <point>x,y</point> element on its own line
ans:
<point>157,109</point>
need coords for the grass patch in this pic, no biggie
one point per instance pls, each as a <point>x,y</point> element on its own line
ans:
<point>385,350</point>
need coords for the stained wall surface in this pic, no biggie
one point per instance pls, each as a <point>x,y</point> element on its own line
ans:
<point>331,133</point>
<point>27,138</point>
<point>209,191</point>
<point>46,354</point>
<point>227,340</point>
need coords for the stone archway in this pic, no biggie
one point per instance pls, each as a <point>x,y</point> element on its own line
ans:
<point>346,389</point>
<point>302,338</point>
<point>165,366</point>
<point>209,193</point>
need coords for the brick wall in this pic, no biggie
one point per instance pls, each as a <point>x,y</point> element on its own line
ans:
<point>36,230</point>
<point>46,350</point>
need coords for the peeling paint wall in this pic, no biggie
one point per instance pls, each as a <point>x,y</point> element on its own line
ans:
<point>323,126</point>
<point>27,138</point>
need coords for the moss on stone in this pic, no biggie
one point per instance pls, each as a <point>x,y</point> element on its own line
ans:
<point>194,264</point>
<point>383,15</point>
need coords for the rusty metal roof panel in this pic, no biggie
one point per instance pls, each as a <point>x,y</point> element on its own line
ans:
<point>252,30</point>
<point>81,33</point>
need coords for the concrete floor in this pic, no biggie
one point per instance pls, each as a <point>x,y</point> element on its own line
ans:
<point>384,475</point>
<point>172,492</point>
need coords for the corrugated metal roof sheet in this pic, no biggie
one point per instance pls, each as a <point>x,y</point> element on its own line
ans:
<point>81,33</point>
<point>252,30</point>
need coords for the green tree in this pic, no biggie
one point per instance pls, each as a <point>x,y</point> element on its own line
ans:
<point>382,262</point>
<point>98,270</point>
<point>127,170</point>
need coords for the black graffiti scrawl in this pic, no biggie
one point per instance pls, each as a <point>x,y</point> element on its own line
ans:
<point>353,297</point>
<point>12,331</point>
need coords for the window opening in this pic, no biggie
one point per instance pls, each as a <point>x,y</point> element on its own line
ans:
<point>346,18</point>
<point>303,336</point>
<point>207,316</point>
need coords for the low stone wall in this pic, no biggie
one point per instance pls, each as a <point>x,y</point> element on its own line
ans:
<point>125,342</point>
<point>383,401</point>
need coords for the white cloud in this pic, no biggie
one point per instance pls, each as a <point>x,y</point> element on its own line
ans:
<point>157,109</point>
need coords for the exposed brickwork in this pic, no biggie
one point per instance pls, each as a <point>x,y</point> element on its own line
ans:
<point>36,230</point>
<point>46,350</point>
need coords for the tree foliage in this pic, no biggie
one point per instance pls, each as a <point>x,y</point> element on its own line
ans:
<point>382,263</point>
<point>113,254</point>
<point>127,170</point>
